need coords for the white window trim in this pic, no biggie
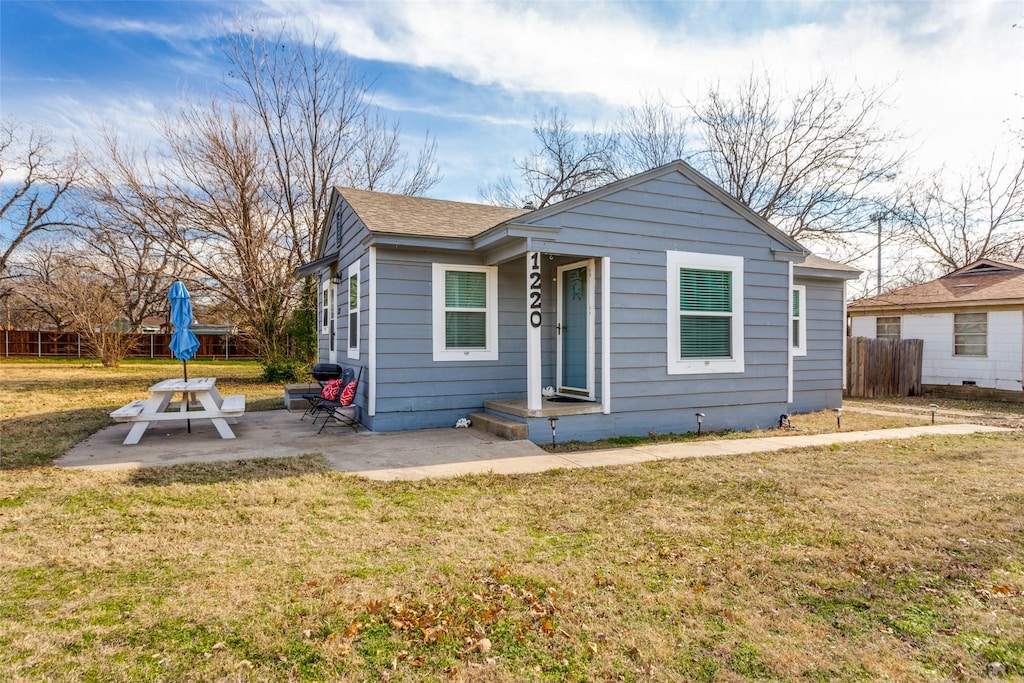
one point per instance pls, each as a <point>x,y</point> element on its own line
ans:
<point>437,304</point>
<point>677,260</point>
<point>325,305</point>
<point>353,271</point>
<point>801,348</point>
<point>965,355</point>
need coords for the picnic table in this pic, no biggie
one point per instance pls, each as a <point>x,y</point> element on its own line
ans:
<point>201,391</point>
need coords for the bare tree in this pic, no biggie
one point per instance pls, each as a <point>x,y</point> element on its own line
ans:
<point>649,135</point>
<point>318,126</point>
<point>817,163</point>
<point>224,215</point>
<point>239,189</point>
<point>35,180</point>
<point>73,287</point>
<point>978,215</point>
<point>41,267</point>
<point>563,165</point>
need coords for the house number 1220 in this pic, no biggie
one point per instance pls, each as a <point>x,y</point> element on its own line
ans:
<point>534,289</point>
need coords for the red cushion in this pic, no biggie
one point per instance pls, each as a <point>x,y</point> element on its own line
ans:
<point>331,389</point>
<point>348,394</point>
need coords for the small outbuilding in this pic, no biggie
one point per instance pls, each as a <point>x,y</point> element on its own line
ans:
<point>623,311</point>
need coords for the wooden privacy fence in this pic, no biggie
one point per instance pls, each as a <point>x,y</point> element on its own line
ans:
<point>41,343</point>
<point>883,367</point>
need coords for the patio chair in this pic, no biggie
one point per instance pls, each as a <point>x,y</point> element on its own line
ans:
<point>341,408</point>
<point>323,373</point>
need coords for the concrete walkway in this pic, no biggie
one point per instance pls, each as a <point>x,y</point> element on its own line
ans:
<point>418,454</point>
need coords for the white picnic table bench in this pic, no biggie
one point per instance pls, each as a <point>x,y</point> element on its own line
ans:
<point>158,407</point>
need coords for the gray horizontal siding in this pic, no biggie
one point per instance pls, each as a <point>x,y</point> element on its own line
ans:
<point>635,228</point>
<point>409,381</point>
<point>818,376</point>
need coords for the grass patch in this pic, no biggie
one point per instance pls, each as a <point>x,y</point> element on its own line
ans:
<point>900,560</point>
<point>49,405</point>
<point>886,560</point>
<point>820,422</point>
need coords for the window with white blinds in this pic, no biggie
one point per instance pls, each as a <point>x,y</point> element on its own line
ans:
<point>705,317</point>
<point>799,320</point>
<point>353,311</point>
<point>465,303</point>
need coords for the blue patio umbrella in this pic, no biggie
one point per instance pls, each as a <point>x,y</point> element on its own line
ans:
<point>183,344</point>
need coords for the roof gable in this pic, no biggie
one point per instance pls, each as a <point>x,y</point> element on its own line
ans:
<point>982,282</point>
<point>687,171</point>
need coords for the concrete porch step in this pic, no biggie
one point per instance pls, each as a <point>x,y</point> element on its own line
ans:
<point>500,426</point>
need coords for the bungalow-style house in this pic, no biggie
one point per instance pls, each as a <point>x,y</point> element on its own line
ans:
<point>971,321</point>
<point>625,310</point>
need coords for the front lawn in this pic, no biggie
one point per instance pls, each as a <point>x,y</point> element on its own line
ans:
<point>874,561</point>
<point>897,560</point>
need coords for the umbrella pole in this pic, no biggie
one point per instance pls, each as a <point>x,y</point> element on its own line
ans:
<point>185,397</point>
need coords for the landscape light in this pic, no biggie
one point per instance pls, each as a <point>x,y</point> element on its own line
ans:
<point>700,420</point>
<point>552,421</point>
<point>839,418</point>
<point>933,407</point>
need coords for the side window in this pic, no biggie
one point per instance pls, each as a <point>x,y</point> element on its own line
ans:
<point>888,327</point>
<point>465,312</point>
<point>325,305</point>
<point>799,320</point>
<point>353,311</point>
<point>970,334</point>
<point>705,313</point>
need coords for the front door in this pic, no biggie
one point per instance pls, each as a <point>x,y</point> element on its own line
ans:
<point>575,329</point>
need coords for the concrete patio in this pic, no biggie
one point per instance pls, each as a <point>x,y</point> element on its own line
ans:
<point>417,454</point>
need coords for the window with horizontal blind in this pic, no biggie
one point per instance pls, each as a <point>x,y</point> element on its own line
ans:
<point>353,311</point>
<point>799,320</point>
<point>970,334</point>
<point>705,314</point>
<point>325,305</point>
<point>888,327</point>
<point>465,312</point>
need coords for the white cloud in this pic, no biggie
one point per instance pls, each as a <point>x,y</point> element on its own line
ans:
<point>956,66</point>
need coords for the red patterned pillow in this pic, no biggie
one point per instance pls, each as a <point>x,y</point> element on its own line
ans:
<point>348,394</point>
<point>331,389</point>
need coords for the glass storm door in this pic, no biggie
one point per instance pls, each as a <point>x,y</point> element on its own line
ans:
<point>575,329</point>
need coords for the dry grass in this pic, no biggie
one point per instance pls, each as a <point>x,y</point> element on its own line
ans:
<point>821,422</point>
<point>47,406</point>
<point>875,561</point>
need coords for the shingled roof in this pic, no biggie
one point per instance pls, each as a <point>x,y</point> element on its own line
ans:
<point>983,282</point>
<point>403,215</point>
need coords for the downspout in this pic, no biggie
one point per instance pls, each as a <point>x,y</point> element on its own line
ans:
<point>371,352</point>
<point>606,335</point>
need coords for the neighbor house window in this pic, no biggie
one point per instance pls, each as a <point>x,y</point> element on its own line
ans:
<point>353,311</point>
<point>705,313</point>
<point>465,312</point>
<point>799,320</point>
<point>970,334</point>
<point>325,306</point>
<point>888,327</point>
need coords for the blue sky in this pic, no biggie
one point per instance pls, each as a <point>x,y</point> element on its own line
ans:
<point>474,74</point>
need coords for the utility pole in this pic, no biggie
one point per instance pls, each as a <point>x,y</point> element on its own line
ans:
<point>878,286</point>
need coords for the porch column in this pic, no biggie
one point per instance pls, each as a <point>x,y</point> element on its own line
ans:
<point>534,318</point>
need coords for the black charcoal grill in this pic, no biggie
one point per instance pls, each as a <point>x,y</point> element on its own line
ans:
<point>326,371</point>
